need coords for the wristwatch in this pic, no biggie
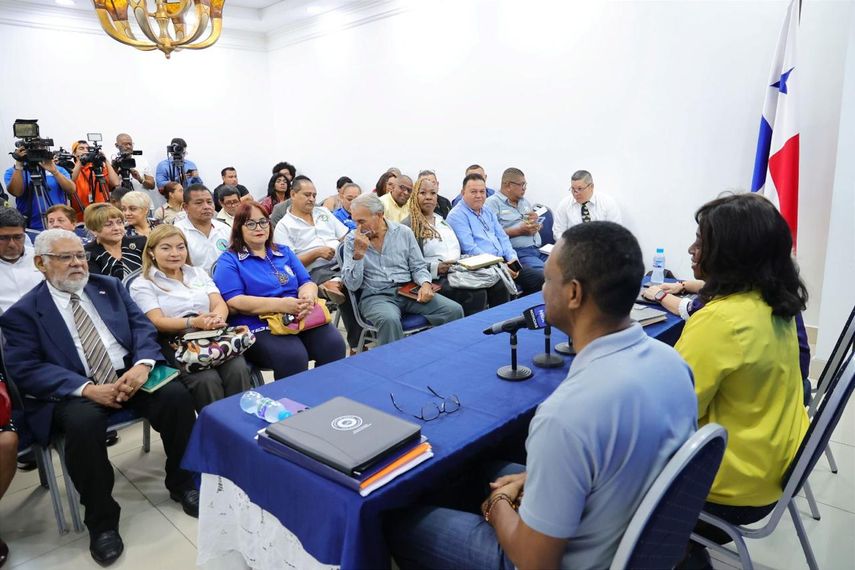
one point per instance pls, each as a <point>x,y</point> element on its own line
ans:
<point>661,294</point>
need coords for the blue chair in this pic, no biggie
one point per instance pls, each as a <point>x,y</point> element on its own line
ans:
<point>659,530</point>
<point>410,323</point>
<point>546,229</point>
<point>839,390</point>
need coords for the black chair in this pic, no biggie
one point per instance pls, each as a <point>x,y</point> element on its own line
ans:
<point>659,530</point>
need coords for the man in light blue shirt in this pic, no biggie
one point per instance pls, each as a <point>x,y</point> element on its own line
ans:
<point>170,171</point>
<point>379,257</point>
<point>518,218</point>
<point>478,230</point>
<point>595,445</point>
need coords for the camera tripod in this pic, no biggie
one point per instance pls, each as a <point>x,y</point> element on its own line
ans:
<point>37,185</point>
<point>176,171</point>
<point>98,183</point>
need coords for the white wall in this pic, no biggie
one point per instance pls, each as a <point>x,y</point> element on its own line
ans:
<point>837,288</point>
<point>661,101</point>
<point>216,99</point>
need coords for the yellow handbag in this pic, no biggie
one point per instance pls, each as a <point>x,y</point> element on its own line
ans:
<point>283,323</point>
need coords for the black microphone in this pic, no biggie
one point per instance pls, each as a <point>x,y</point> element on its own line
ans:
<point>533,318</point>
<point>510,326</point>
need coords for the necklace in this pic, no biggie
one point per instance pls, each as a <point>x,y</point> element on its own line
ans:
<point>282,277</point>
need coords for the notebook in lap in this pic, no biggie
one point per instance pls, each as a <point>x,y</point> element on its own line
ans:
<point>346,435</point>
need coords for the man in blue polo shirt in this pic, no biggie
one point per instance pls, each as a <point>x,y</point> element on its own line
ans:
<point>57,185</point>
<point>169,171</point>
<point>518,218</point>
<point>594,446</point>
<point>478,230</point>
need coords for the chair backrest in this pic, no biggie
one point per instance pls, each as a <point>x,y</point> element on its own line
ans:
<point>832,367</point>
<point>546,229</point>
<point>659,530</point>
<point>819,432</point>
<point>130,277</point>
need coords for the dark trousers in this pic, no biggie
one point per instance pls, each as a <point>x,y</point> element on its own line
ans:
<point>733,515</point>
<point>475,300</point>
<point>529,280</point>
<point>290,354</point>
<point>84,423</point>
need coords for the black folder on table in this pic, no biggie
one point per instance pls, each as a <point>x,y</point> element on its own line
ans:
<point>346,435</point>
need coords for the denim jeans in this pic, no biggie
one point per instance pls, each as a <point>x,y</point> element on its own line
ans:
<point>440,537</point>
<point>531,257</point>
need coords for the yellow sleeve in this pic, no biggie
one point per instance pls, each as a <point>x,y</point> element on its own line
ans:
<point>709,346</point>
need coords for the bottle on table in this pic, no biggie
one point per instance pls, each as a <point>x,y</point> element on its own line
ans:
<point>658,275</point>
<point>267,409</point>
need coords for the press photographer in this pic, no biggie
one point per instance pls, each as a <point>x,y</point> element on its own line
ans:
<point>134,170</point>
<point>93,175</point>
<point>177,168</point>
<point>35,180</point>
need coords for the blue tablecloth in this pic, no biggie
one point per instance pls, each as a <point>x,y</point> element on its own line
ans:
<point>337,525</point>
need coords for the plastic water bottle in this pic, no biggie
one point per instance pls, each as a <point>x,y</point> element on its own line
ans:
<point>267,409</point>
<point>658,275</point>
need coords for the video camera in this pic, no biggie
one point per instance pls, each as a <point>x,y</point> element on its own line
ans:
<point>94,156</point>
<point>176,151</point>
<point>125,161</point>
<point>38,149</point>
<point>64,159</point>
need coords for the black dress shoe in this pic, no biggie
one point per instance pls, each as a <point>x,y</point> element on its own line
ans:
<point>189,501</point>
<point>106,547</point>
<point>27,461</point>
<point>4,552</point>
<point>112,438</point>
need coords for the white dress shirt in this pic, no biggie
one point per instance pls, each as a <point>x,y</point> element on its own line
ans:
<point>175,298</point>
<point>205,250</point>
<point>144,168</point>
<point>601,207</point>
<point>301,236</point>
<point>16,279</point>
<point>446,248</point>
<point>115,351</point>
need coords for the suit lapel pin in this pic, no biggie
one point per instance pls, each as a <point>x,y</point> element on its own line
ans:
<point>102,292</point>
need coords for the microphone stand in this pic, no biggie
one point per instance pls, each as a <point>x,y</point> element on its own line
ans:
<point>547,359</point>
<point>514,373</point>
<point>565,348</point>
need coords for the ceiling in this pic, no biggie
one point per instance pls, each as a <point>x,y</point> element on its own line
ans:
<point>262,16</point>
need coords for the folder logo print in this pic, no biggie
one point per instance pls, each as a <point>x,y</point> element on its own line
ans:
<point>346,423</point>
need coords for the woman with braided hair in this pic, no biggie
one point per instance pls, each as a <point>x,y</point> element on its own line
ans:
<point>441,250</point>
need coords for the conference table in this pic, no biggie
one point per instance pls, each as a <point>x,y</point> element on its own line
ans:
<point>327,524</point>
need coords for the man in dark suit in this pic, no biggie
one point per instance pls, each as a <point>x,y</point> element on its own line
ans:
<point>79,349</point>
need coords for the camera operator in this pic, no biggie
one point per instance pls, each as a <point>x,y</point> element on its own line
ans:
<point>177,168</point>
<point>140,175</point>
<point>91,189</point>
<point>56,181</point>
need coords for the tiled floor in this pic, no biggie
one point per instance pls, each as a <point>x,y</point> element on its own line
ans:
<point>158,535</point>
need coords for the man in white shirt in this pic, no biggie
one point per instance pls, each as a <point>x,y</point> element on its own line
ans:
<point>141,176</point>
<point>395,201</point>
<point>314,234</point>
<point>207,237</point>
<point>583,205</point>
<point>18,273</point>
<point>230,200</point>
<point>79,349</point>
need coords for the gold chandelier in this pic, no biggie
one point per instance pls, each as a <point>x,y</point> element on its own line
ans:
<point>113,15</point>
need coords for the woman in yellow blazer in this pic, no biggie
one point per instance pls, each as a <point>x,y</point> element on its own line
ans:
<point>743,349</point>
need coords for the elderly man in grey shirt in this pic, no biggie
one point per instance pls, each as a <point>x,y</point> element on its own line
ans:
<point>379,257</point>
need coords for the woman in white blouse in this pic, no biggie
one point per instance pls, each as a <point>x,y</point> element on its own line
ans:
<point>441,249</point>
<point>176,297</point>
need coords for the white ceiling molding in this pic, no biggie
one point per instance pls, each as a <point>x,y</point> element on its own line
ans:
<point>263,29</point>
<point>351,15</point>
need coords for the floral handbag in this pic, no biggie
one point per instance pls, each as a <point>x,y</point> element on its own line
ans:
<point>195,354</point>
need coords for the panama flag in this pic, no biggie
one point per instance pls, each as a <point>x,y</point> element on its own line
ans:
<point>776,165</point>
